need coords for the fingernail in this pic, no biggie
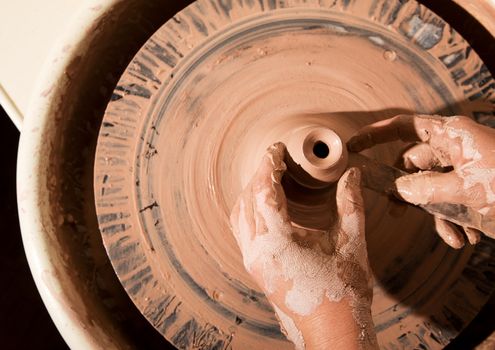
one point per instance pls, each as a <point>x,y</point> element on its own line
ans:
<point>456,242</point>
<point>473,235</point>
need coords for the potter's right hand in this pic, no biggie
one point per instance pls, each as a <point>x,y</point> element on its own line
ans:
<point>457,142</point>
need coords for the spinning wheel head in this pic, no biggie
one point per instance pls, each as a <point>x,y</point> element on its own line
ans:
<point>192,116</point>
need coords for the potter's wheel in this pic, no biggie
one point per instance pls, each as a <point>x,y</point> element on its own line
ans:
<point>192,116</point>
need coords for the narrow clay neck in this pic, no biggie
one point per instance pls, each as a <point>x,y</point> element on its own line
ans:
<point>319,156</point>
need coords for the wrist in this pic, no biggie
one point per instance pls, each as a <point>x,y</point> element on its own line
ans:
<point>336,325</point>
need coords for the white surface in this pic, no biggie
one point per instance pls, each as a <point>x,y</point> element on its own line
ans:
<point>28,31</point>
<point>10,108</point>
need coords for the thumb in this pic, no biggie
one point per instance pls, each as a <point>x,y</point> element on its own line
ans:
<point>350,206</point>
<point>267,194</point>
<point>431,187</point>
<point>268,176</point>
<point>262,205</point>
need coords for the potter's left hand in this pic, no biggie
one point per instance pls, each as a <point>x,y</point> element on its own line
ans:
<point>319,283</point>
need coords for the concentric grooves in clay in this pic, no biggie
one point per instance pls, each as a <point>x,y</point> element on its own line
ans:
<point>195,110</point>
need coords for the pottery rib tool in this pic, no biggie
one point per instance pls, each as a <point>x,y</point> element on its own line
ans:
<point>381,178</point>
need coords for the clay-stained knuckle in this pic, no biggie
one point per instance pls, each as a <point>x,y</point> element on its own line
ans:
<point>423,131</point>
<point>425,124</point>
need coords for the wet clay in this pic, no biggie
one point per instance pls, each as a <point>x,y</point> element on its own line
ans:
<point>321,154</point>
<point>190,121</point>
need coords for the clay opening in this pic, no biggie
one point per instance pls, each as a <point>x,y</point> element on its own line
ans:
<point>321,150</point>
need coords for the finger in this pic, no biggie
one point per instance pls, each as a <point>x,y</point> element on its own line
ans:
<point>270,203</point>
<point>420,156</point>
<point>403,127</point>
<point>271,169</point>
<point>350,206</point>
<point>449,233</point>
<point>473,235</point>
<point>244,219</point>
<point>430,187</point>
<point>351,241</point>
<point>444,134</point>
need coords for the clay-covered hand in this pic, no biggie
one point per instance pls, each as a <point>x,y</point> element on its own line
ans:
<point>457,142</point>
<point>319,282</point>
